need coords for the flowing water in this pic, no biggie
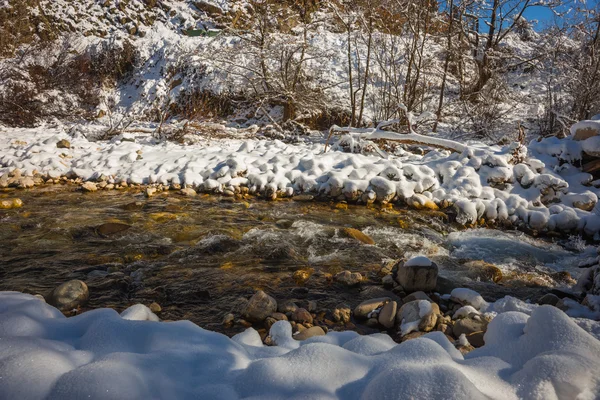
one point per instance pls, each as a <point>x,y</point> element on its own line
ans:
<point>197,257</point>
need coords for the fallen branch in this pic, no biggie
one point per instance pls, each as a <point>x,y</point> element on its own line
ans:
<point>409,138</point>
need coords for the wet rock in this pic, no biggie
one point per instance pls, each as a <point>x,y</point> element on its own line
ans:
<point>10,203</point>
<point>417,274</point>
<point>549,298</point>
<point>284,223</point>
<point>260,306</point>
<point>303,197</point>
<point>348,278</point>
<point>286,307</point>
<point>189,192</point>
<point>89,187</point>
<point>302,275</point>
<point>387,315</point>
<point>342,313</point>
<point>310,332</point>
<point>363,310</point>
<point>63,144</point>
<point>483,271</point>
<point>357,235</point>
<point>468,326</point>
<point>302,315</point>
<point>150,191</point>
<point>69,295</point>
<point>111,228</point>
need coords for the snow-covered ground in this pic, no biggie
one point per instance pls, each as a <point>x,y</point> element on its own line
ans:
<point>530,185</point>
<point>103,355</point>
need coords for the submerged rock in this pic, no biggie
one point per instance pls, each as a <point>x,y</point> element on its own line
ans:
<point>110,228</point>
<point>260,306</point>
<point>357,235</point>
<point>69,295</point>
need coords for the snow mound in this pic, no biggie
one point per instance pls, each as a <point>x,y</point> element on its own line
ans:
<point>100,354</point>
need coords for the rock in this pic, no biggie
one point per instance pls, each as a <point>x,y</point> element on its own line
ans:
<point>302,315</point>
<point>302,275</point>
<point>549,298</point>
<point>312,306</point>
<point>416,296</point>
<point>421,202</point>
<point>412,335</point>
<point>69,295</point>
<point>150,191</point>
<point>357,235</point>
<point>486,272</point>
<point>189,192</point>
<point>388,281</point>
<point>418,313</point>
<point>89,187</point>
<point>111,228</point>
<point>469,326</point>
<point>228,320</point>
<point>156,308</point>
<point>563,277</point>
<point>348,278</point>
<point>387,315</point>
<point>208,7</point>
<point>259,307</point>
<point>303,197</point>
<point>342,313</point>
<point>63,144</point>
<point>25,182</point>
<point>417,274</point>
<point>476,339</point>
<point>4,181</point>
<point>310,332</point>
<point>279,316</point>
<point>287,306</point>
<point>585,129</point>
<point>363,310</point>
<point>10,203</point>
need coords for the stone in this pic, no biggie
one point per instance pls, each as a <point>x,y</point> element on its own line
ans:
<point>372,323</point>
<point>310,332</point>
<point>287,306</point>
<point>279,316</point>
<point>348,278</point>
<point>387,315</point>
<point>89,187</point>
<point>63,144</point>
<point>302,315</point>
<point>111,228</point>
<point>414,312</point>
<point>469,326</point>
<point>476,339</point>
<point>363,310</point>
<point>416,296</point>
<point>342,313</point>
<point>312,306</point>
<point>483,271</point>
<point>156,308</point>
<point>69,295</point>
<point>417,275</point>
<point>421,202</point>
<point>150,191</point>
<point>302,275</point>
<point>412,335</point>
<point>303,197</point>
<point>189,192</point>
<point>10,203</point>
<point>259,307</point>
<point>388,281</point>
<point>584,130</point>
<point>549,298</point>
<point>25,182</point>
<point>357,235</point>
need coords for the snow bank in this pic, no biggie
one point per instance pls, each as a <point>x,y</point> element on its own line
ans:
<point>100,354</point>
<point>541,192</point>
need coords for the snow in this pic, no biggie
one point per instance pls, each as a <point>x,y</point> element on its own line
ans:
<point>480,183</point>
<point>419,261</point>
<point>469,297</point>
<point>99,354</point>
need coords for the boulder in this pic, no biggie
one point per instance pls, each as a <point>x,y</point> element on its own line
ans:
<point>363,310</point>
<point>417,274</point>
<point>310,332</point>
<point>469,325</point>
<point>302,315</point>
<point>259,307</point>
<point>357,235</point>
<point>348,278</point>
<point>69,295</point>
<point>387,315</point>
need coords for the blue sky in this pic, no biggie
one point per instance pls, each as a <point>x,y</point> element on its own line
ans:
<point>544,16</point>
